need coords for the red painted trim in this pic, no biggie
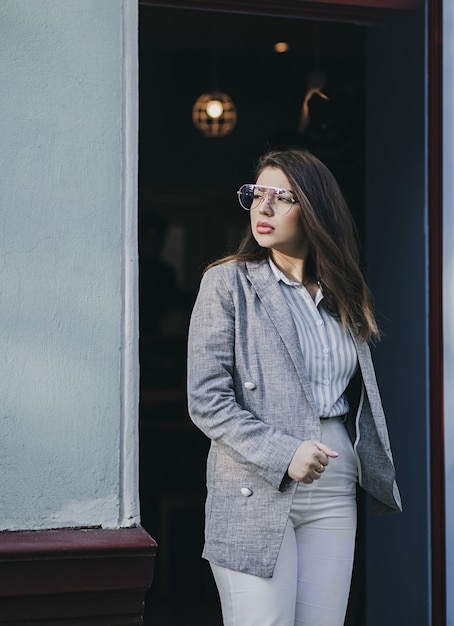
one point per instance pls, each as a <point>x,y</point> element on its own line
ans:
<point>75,576</point>
<point>75,541</point>
<point>435,183</point>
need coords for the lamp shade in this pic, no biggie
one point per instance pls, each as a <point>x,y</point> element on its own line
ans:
<point>214,114</point>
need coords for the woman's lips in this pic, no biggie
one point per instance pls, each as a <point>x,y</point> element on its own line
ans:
<point>264,228</point>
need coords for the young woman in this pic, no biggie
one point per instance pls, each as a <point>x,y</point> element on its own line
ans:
<point>280,378</point>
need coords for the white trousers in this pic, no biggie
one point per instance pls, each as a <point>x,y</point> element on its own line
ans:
<point>311,580</point>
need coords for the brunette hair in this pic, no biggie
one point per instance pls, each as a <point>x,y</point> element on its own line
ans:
<point>334,246</point>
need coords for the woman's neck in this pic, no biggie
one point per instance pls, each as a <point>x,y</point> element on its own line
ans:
<point>294,268</point>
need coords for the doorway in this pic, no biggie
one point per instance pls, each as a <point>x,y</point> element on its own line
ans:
<point>188,211</point>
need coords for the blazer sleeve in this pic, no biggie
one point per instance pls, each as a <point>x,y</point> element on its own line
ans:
<point>212,402</point>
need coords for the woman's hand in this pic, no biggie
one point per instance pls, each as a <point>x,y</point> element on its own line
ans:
<point>309,461</point>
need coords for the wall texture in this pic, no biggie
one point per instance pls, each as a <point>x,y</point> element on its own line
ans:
<point>67,423</point>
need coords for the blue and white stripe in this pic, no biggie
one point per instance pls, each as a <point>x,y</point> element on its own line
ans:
<point>328,350</point>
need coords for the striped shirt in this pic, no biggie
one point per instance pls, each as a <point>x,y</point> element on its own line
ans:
<point>328,350</point>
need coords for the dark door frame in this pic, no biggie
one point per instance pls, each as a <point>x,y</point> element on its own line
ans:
<point>369,12</point>
<point>436,377</point>
<point>362,11</point>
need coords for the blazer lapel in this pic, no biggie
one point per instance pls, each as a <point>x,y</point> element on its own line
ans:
<point>270,295</point>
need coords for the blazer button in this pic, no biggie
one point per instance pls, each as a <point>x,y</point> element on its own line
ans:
<point>249,386</point>
<point>246,492</point>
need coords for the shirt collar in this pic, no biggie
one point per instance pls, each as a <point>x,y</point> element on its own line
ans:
<point>280,275</point>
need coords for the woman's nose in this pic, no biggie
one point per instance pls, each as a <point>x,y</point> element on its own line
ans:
<point>265,205</point>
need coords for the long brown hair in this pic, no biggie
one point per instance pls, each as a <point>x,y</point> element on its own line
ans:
<point>334,246</point>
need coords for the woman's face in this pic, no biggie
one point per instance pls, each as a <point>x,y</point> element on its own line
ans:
<point>283,233</point>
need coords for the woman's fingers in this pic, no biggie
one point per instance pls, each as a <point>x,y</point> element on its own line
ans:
<point>309,461</point>
<point>326,449</point>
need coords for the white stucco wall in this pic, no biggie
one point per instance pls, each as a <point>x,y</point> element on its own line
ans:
<point>448,289</point>
<point>68,357</point>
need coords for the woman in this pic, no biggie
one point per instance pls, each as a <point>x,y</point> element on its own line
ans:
<point>280,378</point>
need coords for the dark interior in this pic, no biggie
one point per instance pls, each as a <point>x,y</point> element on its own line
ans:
<point>189,215</point>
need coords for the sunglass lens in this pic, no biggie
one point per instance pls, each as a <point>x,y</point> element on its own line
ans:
<point>246,196</point>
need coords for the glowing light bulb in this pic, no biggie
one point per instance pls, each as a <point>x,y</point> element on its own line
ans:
<point>214,109</point>
<point>214,114</point>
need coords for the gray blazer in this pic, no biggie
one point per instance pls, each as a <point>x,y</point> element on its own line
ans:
<point>248,391</point>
